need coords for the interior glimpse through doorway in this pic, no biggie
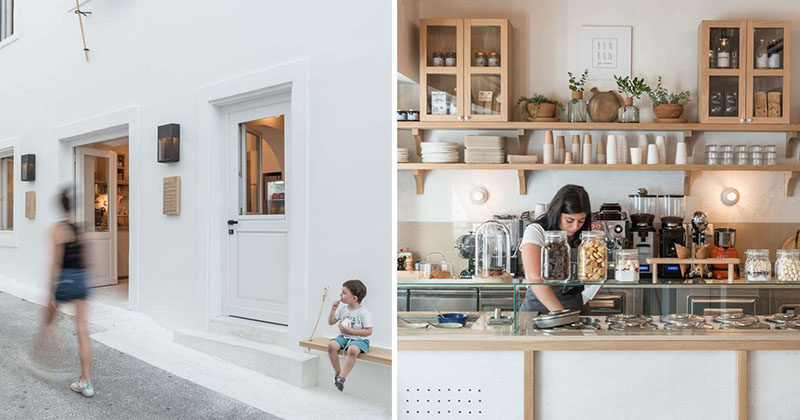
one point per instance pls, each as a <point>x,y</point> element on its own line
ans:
<point>114,291</point>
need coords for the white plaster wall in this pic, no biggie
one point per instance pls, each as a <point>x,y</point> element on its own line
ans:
<point>544,46</point>
<point>157,56</point>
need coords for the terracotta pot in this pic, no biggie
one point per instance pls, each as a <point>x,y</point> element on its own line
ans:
<point>604,105</point>
<point>545,110</point>
<point>668,111</point>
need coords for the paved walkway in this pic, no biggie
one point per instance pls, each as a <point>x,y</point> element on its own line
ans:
<point>125,387</point>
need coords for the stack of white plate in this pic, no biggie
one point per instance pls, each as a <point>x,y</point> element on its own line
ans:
<point>439,152</point>
<point>402,155</point>
<point>484,149</point>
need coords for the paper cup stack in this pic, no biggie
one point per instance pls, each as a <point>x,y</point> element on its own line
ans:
<point>402,155</point>
<point>484,149</point>
<point>439,152</point>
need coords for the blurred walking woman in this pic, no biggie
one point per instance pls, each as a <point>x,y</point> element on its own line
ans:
<point>69,278</point>
<point>569,211</point>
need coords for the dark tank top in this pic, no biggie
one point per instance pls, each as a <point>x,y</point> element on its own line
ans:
<point>73,250</point>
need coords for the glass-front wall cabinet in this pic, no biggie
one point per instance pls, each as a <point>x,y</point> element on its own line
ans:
<point>743,73</point>
<point>464,68</point>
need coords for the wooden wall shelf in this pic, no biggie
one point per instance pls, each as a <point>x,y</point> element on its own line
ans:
<point>418,129</point>
<point>419,170</point>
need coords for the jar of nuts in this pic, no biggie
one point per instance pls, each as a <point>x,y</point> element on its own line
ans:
<point>555,256</point>
<point>592,256</point>
<point>757,266</point>
<point>626,266</point>
<point>787,265</point>
<point>435,267</point>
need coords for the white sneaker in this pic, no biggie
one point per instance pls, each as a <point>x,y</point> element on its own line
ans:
<point>82,388</point>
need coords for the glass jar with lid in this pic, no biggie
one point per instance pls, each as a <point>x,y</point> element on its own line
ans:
<point>592,256</point>
<point>787,265</point>
<point>435,266</point>
<point>493,60</point>
<point>757,266</point>
<point>493,251</point>
<point>480,59</point>
<point>626,265</point>
<point>438,59</point>
<point>450,59</point>
<point>555,256</point>
<point>770,158</point>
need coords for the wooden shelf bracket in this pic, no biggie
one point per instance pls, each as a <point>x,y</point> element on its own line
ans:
<point>690,142</point>
<point>688,178</point>
<point>791,143</point>
<point>791,179</point>
<point>418,137</point>
<point>419,179</point>
<point>523,141</point>
<point>523,182</point>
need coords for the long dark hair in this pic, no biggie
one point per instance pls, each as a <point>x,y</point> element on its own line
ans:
<point>570,199</point>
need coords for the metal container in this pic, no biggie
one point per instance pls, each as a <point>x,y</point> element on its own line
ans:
<point>725,237</point>
<point>556,319</point>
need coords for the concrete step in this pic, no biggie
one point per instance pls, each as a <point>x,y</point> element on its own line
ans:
<point>295,367</point>
<point>261,332</point>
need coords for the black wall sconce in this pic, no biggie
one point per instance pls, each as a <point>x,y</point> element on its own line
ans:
<point>169,143</point>
<point>28,167</point>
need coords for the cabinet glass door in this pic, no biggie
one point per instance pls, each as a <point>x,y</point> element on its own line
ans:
<point>723,72</point>
<point>768,75</point>
<point>441,74</point>
<point>486,45</point>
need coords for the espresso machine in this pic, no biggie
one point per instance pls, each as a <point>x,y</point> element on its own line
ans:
<point>724,247</point>
<point>613,222</point>
<point>642,212</point>
<point>672,232</point>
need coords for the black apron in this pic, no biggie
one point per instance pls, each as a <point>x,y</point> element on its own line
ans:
<point>569,296</point>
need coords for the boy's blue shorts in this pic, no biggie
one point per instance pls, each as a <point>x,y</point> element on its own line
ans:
<point>358,342</point>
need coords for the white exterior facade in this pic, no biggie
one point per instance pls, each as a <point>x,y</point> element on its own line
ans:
<point>152,63</point>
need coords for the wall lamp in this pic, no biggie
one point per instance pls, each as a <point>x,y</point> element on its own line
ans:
<point>730,196</point>
<point>169,143</point>
<point>28,167</point>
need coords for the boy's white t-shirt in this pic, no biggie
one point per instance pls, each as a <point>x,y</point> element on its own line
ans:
<point>359,318</point>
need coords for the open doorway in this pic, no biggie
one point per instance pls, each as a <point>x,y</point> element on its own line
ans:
<point>102,203</point>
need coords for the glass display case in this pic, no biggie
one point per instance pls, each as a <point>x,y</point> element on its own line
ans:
<point>464,69</point>
<point>743,72</point>
<point>662,308</point>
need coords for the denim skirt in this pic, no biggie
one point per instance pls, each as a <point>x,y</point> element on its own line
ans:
<point>71,285</point>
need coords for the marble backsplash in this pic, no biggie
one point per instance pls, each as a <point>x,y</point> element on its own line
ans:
<point>426,237</point>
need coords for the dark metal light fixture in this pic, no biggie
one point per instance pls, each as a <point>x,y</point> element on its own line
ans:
<point>169,143</point>
<point>28,167</point>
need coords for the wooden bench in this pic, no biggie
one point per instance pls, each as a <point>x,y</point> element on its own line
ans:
<point>376,354</point>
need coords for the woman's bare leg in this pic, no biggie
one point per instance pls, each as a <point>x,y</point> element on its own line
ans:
<point>84,343</point>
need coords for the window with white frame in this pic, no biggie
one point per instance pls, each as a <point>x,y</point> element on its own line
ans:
<point>6,18</point>
<point>7,189</point>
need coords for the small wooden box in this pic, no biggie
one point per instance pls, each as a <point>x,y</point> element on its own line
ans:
<point>774,104</point>
<point>761,104</point>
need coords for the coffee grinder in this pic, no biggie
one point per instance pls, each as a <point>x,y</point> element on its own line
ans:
<point>672,232</point>
<point>642,211</point>
<point>724,247</point>
<point>465,248</point>
<point>699,238</point>
<point>612,221</point>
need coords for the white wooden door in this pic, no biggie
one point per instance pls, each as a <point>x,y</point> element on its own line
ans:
<point>258,269</point>
<point>96,211</point>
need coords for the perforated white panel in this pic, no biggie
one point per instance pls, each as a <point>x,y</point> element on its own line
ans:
<point>459,385</point>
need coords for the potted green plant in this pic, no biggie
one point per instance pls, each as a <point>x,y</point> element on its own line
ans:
<point>631,88</point>
<point>576,107</point>
<point>666,104</point>
<point>538,107</point>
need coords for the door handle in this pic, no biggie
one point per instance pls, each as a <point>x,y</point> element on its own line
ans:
<point>233,222</point>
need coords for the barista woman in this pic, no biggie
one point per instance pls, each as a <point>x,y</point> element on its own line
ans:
<point>569,211</point>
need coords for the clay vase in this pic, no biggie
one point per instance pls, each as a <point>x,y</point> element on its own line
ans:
<point>668,111</point>
<point>544,111</point>
<point>603,106</point>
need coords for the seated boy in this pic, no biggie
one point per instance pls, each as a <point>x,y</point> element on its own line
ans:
<point>355,327</point>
